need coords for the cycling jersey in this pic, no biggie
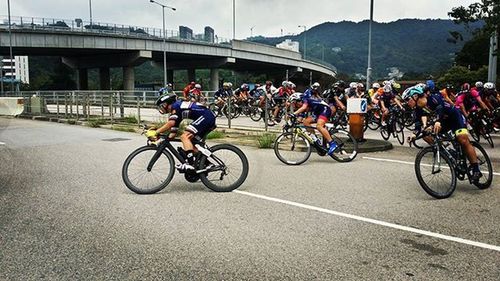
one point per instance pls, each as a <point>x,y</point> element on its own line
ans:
<point>318,108</point>
<point>223,93</point>
<point>449,117</point>
<point>470,100</point>
<point>310,93</point>
<point>387,98</point>
<point>204,119</point>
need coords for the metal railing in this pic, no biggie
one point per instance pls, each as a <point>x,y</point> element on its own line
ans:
<point>113,107</point>
<point>81,26</point>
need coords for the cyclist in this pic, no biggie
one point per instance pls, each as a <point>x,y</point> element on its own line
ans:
<point>320,113</point>
<point>204,122</point>
<point>223,93</point>
<point>491,96</point>
<point>447,118</point>
<point>387,99</point>
<point>196,95</point>
<point>279,99</point>
<point>448,94</point>
<point>313,91</point>
<point>188,89</point>
<point>242,93</point>
<point>269,90</point>
<point>469,100</point>
<point>374,89</point>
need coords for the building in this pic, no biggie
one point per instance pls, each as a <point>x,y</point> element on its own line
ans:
<point>18,69</point>
<point>289,45</point>
<point>209,34</point>
<point>185,32</point>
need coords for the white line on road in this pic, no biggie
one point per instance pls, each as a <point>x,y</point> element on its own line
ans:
<point>401,162</point>
<point>2,143</point>
<point>376,222</point>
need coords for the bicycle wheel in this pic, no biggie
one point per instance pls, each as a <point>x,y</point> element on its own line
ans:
<point>347,148</point>
<point>400,134</point>
<point>227,168</point>
<point>292,149</point>
<point>373,122</point>
<point>436,175</point>
<point>215,109</point>
<point>135,172</point>
<point>384,132</point>
<point>255,113</point>
<point>484,165</point>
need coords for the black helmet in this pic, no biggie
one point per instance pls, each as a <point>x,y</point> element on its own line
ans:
<point>166,98</point>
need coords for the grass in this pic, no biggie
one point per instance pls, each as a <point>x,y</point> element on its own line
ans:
<point>215,135</point>
<point>96,123</point>
<point>123,128</point>
<point>266,140</point>
<point>131,119</point>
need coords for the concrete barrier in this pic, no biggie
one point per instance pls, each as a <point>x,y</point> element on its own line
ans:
<point>11,106</point>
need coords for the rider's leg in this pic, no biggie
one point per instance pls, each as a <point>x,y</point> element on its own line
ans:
<point>463,138</point>
<point>320,126</point>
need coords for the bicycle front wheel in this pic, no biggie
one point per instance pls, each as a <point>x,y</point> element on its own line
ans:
<point>139,178</point>
<point>292,149</point>
<point>227,168</point>
<point>484,165</point>
<point>435,173</point>
<point>347,146</point>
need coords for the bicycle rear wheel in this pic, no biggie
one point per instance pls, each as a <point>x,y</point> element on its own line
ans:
<point>292,149</point>
<point>227,168</point>
<point>484,165</point>
<point>135,172</point>
<point>347,148</point>
<point>384,132</point>
<point>400,134</point>
<point>436,175</point>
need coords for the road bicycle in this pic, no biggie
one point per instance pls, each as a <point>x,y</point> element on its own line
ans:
<point>394,126</point>
<point>294,145</point>
<point>150,168</point>
<point>439,165</point>
<point>482,126</point>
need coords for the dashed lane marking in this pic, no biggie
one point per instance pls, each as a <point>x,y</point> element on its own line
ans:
<point>374,221</point>
<point>402,162</point>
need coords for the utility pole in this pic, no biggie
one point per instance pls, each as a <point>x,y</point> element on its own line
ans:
<point>305,28</point>
<point>369,68</point>
<point>492,66</point>
<point>165,82</point>
<point>10,51</point>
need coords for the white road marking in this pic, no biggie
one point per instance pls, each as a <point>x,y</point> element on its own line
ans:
<point>402,162</point>
<point>2,143</point>
<point>376,222</point>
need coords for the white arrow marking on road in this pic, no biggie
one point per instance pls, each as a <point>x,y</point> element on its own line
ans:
<point>404,162</point>
<point>376,222</point>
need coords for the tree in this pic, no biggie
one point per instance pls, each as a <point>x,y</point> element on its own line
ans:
<point>486,10</point>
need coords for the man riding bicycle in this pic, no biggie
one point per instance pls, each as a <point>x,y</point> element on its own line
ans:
<point>204,122</point>
<point>447,118</point>
<point>320,113</point>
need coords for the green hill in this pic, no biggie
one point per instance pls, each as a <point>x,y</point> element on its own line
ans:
<point>409,45</point>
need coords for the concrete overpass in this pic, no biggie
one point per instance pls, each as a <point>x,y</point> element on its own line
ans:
<point>86,48</point>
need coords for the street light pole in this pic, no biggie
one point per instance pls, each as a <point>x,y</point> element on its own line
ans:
<point>165,82</point>
<point>251,31</point>
<point>234,20</point>
<point>10,51</point>
<point>90,8</point>
<point>305,36</point>
<point>369,68</point>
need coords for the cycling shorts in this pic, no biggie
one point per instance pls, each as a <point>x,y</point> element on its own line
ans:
<point>455,122</point>
<point>322,114</point>
<point>203,125</point>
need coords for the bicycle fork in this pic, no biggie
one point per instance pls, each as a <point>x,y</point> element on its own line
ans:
<point>436,156</point>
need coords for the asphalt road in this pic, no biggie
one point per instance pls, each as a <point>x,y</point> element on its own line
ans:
<point>65,214</point>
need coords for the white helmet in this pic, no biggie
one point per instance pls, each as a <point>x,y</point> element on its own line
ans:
<point>296,97</point>
<point>292,85</point>
<point>479,84</point>
<point>360,85</point>
<point>387,82</point>
<point>489,86</point>
<point>285,83</point>
<point>197,86</point>
<point>353,85</point>
<point>376,85</point>
<point>387,88</point>
<point>315,85</point>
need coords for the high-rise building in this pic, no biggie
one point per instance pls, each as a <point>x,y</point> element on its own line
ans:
<point>289,45</point>
<point>209,34</point>
<point>17,69</point>
<point>185,32</point>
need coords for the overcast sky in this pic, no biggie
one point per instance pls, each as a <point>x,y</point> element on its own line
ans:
<point>269,17</point>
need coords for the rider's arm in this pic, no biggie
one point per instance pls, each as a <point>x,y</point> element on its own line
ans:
<point>339,103</point>
<point>302,109</point>
<point>172,125</point>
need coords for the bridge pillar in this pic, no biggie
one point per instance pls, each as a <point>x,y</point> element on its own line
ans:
<point>128,78</point>
<point>214,79</point>
<point>83,79</point>
<point>191,74</point>
<point>170,76</point>
<point>104,78</point>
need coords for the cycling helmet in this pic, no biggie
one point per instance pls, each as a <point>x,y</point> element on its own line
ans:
<point>360,86</point>
<point>466,87</point>
<point>449,86</point>
<point>489,86</point>
<point>197,86</point>
<point>192,83</point>
<point>166,99</point>
<point>387,82</point>
<point>296,97</point>
<point>162,91</point>
<point>479,84</point>
<point>244,86</point>
<point>387,88</point>
<point>315,85</point>
<point>418,91</point>
<point>430,84</point>
<point>292,85</point>
<point>376,85</point>
<point>284,83</point>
